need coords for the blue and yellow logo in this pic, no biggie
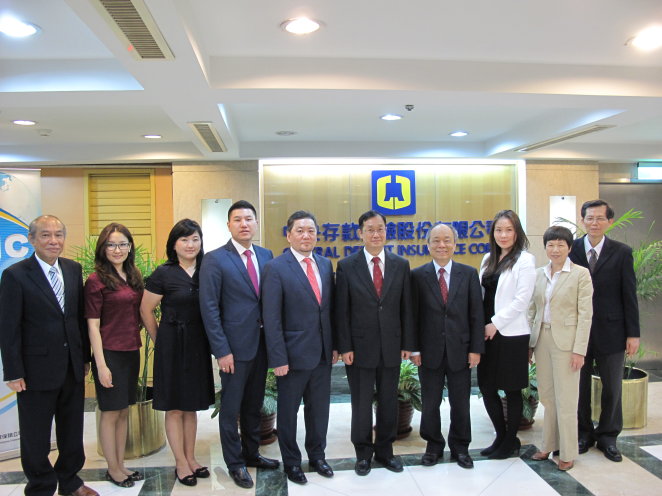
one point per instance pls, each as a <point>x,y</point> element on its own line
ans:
<point>394,192</point>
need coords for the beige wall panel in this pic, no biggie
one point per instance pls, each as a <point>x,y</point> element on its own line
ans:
<point>62,195</point>
<point>545,180</point>
<point>163,213</point>
<point>195,182</point>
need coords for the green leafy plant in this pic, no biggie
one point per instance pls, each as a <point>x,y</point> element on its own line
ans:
<point>631,361</point>
<point>530,394</point>
<point>270,403</point>
<point>146,264</point>
<point>409,386</point>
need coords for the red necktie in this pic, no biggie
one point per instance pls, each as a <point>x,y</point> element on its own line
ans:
<point>312,279</point>
<point>377,276</point>
<point>252,273</point>
<point>443,286</point>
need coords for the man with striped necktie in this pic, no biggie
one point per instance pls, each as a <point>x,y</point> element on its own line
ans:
<point>46,355</point>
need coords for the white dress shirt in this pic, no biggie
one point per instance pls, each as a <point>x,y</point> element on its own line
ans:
<point>304,267</point>
<point>551,282</point>
<point>369,257</point>
<point>241,250</point>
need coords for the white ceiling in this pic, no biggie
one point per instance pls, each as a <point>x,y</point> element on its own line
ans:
<point>511,72</point>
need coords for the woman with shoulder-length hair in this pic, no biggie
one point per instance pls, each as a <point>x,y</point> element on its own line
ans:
<point>560,316</point>
<point>183,377</point>
<point>507,275</point>
<point>112,308</point>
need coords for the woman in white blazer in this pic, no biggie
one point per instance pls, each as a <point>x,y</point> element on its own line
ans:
<point>507,275</point>
<point>560,315</point>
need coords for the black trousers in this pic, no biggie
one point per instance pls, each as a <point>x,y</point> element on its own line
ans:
<point>362,384</point>
<point>314,387</point>
<point>610,369</point>
<point>459,394</point>
<point>36,411</point>
<point>242,395</point>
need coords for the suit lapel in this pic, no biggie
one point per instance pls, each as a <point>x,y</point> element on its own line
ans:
<point>457,274</point>
<point>432,281</point>
<point>390,269</point>
<point>324,277</point>
<point>300,275</point>
<point>606,253</point>
<point>239,265</point>
<point>581,252</point>
<point>563,278</point>
<point>39,278</point>
<point>363,273</point>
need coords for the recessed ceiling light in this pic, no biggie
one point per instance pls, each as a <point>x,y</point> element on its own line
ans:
<point>459,134</point>
<point>300,25</point>
<point>21,122</point>
<point>152,136</point>
<point>286,133</point>
<point>391,117</point>
<point>648,39</point>
<point>11,26</point>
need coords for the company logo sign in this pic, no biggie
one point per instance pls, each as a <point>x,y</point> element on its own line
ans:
<point>394,192</point>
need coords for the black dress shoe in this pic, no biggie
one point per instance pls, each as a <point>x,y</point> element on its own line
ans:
<point>463,460</point>
<point>391,464</point>
<point>128,482</point>
<point>583,445</point>
<point>430,459</point>
<point>611,453</point>
<point>321,467</point>
<point>262,462</point>
<point>362,467</point>
<point>241,477</point>
<point>189,480</point>
<point>137,476</point>
<point>295,474</point>
<point>201,473</point>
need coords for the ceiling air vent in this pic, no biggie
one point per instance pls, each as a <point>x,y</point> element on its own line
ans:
<point>209,136</point>
<point>563,137</point>
<point>133,23</point>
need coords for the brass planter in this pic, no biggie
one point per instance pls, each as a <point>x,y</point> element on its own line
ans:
<point>146,431</point>
<point>635,399</point>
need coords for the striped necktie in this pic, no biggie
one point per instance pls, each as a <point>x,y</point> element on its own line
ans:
<point>58,287</point>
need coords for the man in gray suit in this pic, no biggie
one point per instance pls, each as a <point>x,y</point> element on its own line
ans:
<point>46,355</point>
<point>230,306</point>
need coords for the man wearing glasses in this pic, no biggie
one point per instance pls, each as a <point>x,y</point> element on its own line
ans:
<point>615,326</point>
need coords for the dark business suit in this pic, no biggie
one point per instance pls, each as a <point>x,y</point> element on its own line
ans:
<point>232,317</point>
<point>49,349</point>
<point>376,330</point>
<point>447,333</point>
<point>299,333</point>
<point>615,318</point>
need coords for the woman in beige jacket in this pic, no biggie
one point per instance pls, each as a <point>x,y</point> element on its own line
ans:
<point>560,318</point>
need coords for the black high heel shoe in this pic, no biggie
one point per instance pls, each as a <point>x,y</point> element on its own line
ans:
<point>508,448</point>
<point>493,447</point>
<point>189,480</point>
<point>128,482</point>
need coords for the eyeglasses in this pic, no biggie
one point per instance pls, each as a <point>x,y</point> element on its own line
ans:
<point>114,246</point>
<point>591,220</point>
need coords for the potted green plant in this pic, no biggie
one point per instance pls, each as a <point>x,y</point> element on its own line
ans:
<point>268,412</point>
<point>146,429</point>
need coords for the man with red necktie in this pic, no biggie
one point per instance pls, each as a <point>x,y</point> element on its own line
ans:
<point>231,312</point>
<point>375,333</point>
<point>297,303</point>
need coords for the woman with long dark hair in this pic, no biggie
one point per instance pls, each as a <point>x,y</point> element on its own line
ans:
<point>112,308</point>
<point>183,378</point>
<point>508,276</point>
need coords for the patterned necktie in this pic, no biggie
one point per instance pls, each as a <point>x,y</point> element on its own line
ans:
<point>377,276</point>
<point>592,260</point>
<point>252,273</point>
<point>312,279</point>
<point>57,286</point>
<point>443,286</point>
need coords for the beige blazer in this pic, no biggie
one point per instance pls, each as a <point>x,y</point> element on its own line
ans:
<point>571,309</point>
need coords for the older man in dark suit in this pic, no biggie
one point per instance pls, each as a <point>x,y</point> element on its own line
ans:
<point>46,355</point>
<point>615,326</point>
<point>448,305</point>
<point>297,304</point>
<point>375,332</point>
<point>231,312</point>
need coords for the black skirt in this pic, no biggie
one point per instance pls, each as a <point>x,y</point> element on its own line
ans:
<point>124,367</point>
<point>505,363</point>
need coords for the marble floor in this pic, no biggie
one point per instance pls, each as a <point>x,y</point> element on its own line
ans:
<point>640,473</point>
